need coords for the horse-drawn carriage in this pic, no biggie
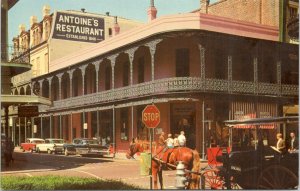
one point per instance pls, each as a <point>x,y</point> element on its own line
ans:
<point>260,168</point>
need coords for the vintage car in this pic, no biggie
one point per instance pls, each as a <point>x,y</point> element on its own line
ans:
<point>30,144</point>
<point>51,146</point>
<point>85,146</point>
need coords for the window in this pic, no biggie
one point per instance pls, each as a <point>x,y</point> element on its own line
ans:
<point>141,63</point>
<point>38,66</point>
<point>109,31</point>
<point>107,77</point>
<point>124,124</point>
<point>125,74</point>
<point>182,62</point>
<point>46,63</point>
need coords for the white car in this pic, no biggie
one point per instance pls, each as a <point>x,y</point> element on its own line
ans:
<point>51,146</point>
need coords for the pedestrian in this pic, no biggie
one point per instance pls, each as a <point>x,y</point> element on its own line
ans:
<point>170,141</point>
<point>176,142</point>
<point>280,146</point>
<point>182,139</point>
<point>161,139</point>
<point>293,143</point>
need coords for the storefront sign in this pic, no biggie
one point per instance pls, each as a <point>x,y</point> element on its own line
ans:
<point>78,28</point>
<point>28,111</point>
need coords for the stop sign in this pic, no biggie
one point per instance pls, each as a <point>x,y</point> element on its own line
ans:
<point>151,116</point>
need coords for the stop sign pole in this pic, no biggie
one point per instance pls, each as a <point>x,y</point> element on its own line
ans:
<point>151,118</point>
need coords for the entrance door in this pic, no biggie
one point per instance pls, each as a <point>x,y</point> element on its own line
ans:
<point>183,119</point>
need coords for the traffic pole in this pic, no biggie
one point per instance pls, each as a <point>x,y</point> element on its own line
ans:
<point>150,171</point>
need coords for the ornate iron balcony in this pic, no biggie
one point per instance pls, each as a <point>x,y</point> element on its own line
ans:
<point>13,54</point>
<point>293,27</point>
<point>173,85</point>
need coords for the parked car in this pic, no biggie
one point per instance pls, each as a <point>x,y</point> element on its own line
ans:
<point>30,144</point>
<point>51,146</point>
<point>85,146</point>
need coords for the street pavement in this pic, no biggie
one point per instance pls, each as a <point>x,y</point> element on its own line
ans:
<point>35,164</point>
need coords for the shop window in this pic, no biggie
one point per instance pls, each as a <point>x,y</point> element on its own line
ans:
<point>141,73</point>
<point>124,124</point>
<point>182,62</point>
<point>142,130</point>
<point>125,74</point>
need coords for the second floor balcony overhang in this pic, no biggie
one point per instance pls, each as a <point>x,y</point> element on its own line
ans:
<point>178,86</point>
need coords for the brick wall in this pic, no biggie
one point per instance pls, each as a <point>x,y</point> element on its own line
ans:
<point>257,11</point>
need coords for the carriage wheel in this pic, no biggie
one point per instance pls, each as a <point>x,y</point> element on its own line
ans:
<point>212,180</point>
<point>277,177</point>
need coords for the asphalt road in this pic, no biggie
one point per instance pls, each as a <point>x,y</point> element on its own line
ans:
<point>35,164</point>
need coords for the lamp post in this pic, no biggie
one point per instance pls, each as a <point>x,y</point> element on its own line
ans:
<point>203,128</point>
<point>28,125</point>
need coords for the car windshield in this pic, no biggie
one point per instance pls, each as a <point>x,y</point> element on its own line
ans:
<point>57,141</point>
<point>38,141</point>
<point>92,142</point>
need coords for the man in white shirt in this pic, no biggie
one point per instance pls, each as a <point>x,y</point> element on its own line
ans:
<point>181,139</point>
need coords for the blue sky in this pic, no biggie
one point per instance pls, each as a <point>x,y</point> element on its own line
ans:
<point>132,9</point>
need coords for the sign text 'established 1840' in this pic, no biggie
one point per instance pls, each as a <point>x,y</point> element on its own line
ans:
<point>151,116</point>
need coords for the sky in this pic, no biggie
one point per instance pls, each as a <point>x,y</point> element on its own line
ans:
<point>131,9</point>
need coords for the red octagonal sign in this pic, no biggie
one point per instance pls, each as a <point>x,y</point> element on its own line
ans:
<point>151,116</point>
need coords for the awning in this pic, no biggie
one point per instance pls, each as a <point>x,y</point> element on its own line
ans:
<point>263,123</point>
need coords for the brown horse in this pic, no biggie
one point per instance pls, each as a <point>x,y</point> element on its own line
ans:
<point>163,159</point>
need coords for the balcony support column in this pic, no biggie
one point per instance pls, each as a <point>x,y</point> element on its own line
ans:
<point>41,87</point>
<point>50,83</point>
<point>97,66</point>
<point>25,129</point>
<point>130,53</point>
<point>202,65</point>
<point>229,61</point>
<point>278,69</point>
<point>152,48</point>
<point>113,63</point>
<point>59,76</point>
<point>255,75</point>
<point>82,68</point>
<point>60,126</point>
<point>50,119</point>
<point>41,126</point>
<point>71,81</point>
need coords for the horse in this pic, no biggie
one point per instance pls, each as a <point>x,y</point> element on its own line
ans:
<point>164,159</point>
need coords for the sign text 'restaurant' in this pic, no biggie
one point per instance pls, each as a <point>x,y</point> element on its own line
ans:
<point>78,28</point>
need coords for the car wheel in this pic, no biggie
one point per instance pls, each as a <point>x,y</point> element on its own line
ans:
<point>66,152</point>
<point>23,150</point>
<point>49,151</point>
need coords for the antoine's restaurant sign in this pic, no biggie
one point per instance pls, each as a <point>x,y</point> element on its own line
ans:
<point>78,28</point>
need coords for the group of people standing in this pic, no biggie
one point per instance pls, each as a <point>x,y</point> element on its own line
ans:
<point>170,142</point>
<point>291,146</point>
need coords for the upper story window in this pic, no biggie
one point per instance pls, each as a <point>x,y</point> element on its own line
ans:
<point>125,74</point>
<point>107,78</point>
<point>182,62</point>
<point>110,31</point>
<point>141,72</point>
<point>293,12</point>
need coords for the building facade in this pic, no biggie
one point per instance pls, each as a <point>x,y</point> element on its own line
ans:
<point>281,14</point>
<point>177,70</point>
<point>198,69</point>
<point>59,34</point>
